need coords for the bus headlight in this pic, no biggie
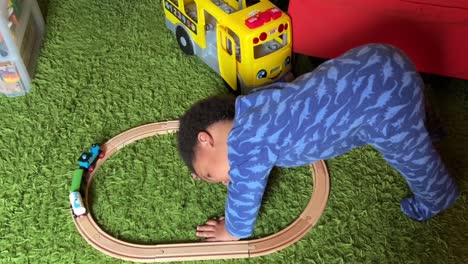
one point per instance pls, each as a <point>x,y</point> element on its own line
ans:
<point>287,61</point>
<point>261,74</point>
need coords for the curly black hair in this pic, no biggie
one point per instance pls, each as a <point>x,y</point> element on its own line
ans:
<point>198,118</point>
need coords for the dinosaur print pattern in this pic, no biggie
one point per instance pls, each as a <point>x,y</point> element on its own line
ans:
<point>371,95</point>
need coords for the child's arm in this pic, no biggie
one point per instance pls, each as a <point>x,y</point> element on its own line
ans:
<point>248,179</point>
<point>244,199</point>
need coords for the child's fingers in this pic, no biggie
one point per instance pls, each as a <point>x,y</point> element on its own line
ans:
<point>205,234</point>
<point>211,222</point>
<point>206,228</point>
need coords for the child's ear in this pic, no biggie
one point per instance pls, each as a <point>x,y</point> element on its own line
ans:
<point>205,138</point>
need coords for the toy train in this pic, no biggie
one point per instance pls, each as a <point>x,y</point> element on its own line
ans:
<point>86,163</point>
<point>87,159</point>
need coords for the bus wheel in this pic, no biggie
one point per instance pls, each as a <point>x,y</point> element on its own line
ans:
<point>183,40</point>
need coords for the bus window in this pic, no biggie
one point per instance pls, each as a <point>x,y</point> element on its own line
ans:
<point>236,4</point>
<point>270,46</point>
<point>228,9</point>
<point>210,23</point>
<point>251,2</point>
<point>236,39</point>
<point>175,2</point>
<point>284,39</point>
<point>229,46</point>
<point>191,9</point>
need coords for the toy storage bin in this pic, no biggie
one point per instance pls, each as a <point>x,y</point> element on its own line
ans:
<point>21,32</point>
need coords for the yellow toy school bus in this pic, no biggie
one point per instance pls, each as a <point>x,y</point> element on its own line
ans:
<point>247,42</point>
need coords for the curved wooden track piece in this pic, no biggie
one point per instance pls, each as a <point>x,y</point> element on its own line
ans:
<point>105,243</point>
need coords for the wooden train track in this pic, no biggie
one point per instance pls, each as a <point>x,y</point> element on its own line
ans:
<point>109,245</point>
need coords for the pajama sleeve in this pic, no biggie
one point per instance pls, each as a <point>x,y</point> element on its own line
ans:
<point>248,180</point>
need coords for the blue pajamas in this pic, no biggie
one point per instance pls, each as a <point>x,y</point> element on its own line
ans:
<point>369,95</point>
<point>417,160</point>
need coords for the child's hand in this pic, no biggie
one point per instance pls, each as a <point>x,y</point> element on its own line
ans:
<point>194,176</point>
<point>215,230</point>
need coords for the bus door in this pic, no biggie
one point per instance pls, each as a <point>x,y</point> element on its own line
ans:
<point>227,56</point>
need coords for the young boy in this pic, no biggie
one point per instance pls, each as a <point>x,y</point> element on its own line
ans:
<point>370,95</point>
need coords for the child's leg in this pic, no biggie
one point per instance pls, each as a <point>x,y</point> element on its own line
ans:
<point>399,132</point>
<point>411,152</point>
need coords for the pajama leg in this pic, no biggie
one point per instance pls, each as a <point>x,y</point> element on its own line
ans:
<point>411,152</point>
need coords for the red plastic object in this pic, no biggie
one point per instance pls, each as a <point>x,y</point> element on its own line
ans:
<point>253,22</point>
<point>434,33</point>
<point>265,16</point>
<point>274,12</point>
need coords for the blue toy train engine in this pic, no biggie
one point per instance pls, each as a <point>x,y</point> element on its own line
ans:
<point>88,159</point>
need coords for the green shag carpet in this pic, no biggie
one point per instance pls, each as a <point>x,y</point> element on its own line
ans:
<point>107,66</point>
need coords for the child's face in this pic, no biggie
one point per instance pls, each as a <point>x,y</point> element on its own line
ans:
<point>211,160</point>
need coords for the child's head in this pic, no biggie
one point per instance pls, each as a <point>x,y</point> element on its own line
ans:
<point>202,137</point>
